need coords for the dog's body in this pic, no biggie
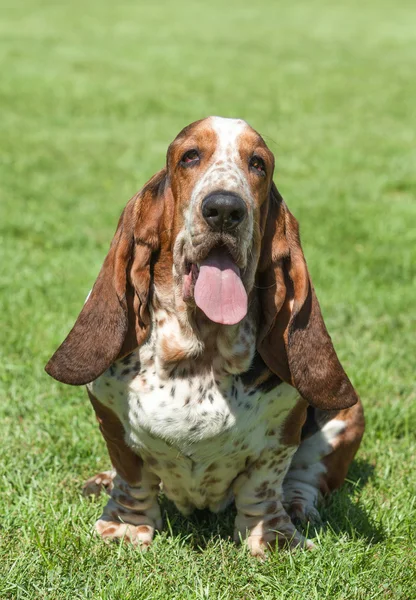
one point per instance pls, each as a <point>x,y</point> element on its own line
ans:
<point>202,345</point>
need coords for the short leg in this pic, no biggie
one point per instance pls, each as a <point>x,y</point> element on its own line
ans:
<point>132,512</point>
<point>261,517</point>
<point>321,462</point>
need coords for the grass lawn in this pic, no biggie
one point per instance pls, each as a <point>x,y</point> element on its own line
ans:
<point>91,93</point>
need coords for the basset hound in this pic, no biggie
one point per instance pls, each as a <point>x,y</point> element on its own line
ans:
<point>205,355</point>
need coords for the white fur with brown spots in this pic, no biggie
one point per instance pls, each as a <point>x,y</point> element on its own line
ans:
<point>202,433</point>
<point>211,412</point>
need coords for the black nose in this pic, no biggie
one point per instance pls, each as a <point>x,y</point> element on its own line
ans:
<point>223,211</point>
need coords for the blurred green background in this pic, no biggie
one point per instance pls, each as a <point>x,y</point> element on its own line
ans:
<point>91,94</point>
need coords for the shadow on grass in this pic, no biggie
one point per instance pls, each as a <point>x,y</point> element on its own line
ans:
<point>342,513</point>
<point>201,527</point>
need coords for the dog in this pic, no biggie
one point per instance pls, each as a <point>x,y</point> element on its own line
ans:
<point>205,354</point>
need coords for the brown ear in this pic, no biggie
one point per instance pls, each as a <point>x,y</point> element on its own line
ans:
<point>115,318</point>
<point>293,340</point>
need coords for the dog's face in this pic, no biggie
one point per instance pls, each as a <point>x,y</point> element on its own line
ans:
<point>197,237</point>
<point>220,173</point>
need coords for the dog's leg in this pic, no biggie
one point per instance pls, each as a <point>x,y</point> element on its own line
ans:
<point>132,512</point>
<point>321,462</point>
<point>261,517</point>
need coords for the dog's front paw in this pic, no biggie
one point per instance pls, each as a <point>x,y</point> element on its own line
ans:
<point>271,530</point>
<point>259,545</point>
<point>138,535</point>
<point>132,513</point>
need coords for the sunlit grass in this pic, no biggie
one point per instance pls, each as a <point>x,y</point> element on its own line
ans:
<point>91,94</point>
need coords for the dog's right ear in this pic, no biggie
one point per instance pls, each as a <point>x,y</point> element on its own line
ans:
<point>115,318</point>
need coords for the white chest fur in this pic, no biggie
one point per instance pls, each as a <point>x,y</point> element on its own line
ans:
<point>195,424</point>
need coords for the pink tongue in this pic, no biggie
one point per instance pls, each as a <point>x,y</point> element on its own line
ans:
<point>219,291</point>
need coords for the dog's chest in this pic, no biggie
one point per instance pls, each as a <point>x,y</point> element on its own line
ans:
<point>196,427</point>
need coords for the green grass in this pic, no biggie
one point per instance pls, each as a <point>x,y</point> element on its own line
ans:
<point>91,93</point>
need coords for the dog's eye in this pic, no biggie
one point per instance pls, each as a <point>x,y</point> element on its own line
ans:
<point>258,165</point>
<point>191,157</point>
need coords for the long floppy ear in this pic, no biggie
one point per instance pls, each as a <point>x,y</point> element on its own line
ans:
<point>293,340</point>
<point>115,318</point>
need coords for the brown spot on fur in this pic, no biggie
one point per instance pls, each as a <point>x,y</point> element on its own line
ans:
<point>211,467</point>
<point>273,522</point>
<point>296,506</point>
<point>126,500</point>
<point>292,427</point>
<point>172,352</point>
<point>143,529</point>
<point>272,508</point>
<point>109,531</point>
<point>127,464</point>
<point>261,489</point>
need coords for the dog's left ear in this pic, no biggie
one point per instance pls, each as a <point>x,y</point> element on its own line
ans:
<point>293,340</point>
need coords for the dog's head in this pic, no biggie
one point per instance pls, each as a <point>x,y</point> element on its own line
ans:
<point>209,232</point>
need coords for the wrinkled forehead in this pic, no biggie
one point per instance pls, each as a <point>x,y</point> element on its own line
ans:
<point>225,137</point>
